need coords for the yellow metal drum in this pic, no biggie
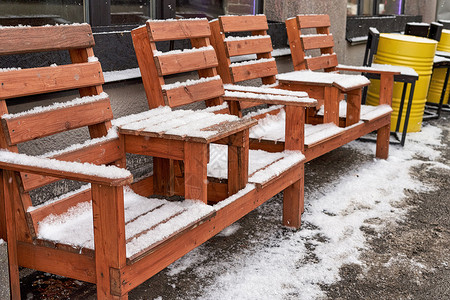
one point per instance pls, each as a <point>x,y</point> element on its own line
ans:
<point>437,80</point>
<point>408,51</point>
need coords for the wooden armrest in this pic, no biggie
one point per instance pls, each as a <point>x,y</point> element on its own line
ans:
<point>98,174</point>
<point>269,98</point>
<point>367,70</point>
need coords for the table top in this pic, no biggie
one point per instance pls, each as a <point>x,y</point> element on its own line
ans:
<point>202,126</point>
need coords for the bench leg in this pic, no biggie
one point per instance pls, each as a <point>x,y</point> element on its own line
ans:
<point>195,176</point>
<point>383,142</point>
<point>293,202</point>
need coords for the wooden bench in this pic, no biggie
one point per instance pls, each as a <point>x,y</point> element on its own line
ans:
<point>110,232</point>
<point>326,88</point>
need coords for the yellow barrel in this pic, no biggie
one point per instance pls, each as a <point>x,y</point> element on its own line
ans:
<point>408,51</point>
<point>437,80</point>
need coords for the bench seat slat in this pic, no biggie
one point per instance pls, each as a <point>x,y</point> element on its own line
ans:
<point>28,127</point>
<point>16,40</point>
<point>28,82</point>
<point>193,93</point>
<point>185,62</point>
<point>101,153</point>
<point>238,23</point>
<point>249,46</point>
<point>163,31</point>
<point>252,71</point>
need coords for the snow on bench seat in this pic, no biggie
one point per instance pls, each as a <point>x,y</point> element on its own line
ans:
<point>272,128</point>
<point>262,167</point>
<point>368,112</point>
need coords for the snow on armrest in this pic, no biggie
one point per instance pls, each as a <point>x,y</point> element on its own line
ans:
<point>368,69</point>
<point>99,174</point>
<point>263,90</point>
<point>269,98</point>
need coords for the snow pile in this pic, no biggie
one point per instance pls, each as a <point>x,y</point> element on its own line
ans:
<point>294,264</point>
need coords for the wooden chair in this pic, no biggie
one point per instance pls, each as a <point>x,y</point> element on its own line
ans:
<point>107,233</point>
<point>156,65</point>
<point>326,89</point>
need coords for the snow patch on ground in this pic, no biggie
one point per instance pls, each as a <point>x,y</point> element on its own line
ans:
<point>294,264</point>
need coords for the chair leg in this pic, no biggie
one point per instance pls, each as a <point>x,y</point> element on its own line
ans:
<point>383,135</point>
<point>293,203</point>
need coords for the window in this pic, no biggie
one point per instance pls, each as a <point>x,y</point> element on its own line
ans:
<point>375,7</point>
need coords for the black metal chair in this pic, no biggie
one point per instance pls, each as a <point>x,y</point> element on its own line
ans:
<point>417,29</point>
<point>371,50</point>
<point>435,31</point>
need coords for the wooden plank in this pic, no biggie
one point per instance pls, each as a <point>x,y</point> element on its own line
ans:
<point>317,41</point>
<point>383,135</point>
<point>151,146</point>
<point>249,46</point>
<point>294,128</point>
<point>331,105</point>
<point>99,154</point>
<point>238,162</point>
<point>313,21</point>
<point>143,187</point>
<point>195,181</point>
<point>295,44</point>
<point>109,235</point>
<point>57,208</point>
<point>243,23</point>
<point>34,81</point>
<point>16,40</point>
<point>9,214</point>
<point>163,176</point>
<point>31,126</point>
<point>176,30</point>
<point>150,77</point>
<point>193,93</point>
<point>293,202</point>
<point>252,71</point>
<point>386,88</point>
<point>184,62</point>
<point>217,40</point>
<point>55,261</point>
<point>353,107</point>
<point>322,62</point>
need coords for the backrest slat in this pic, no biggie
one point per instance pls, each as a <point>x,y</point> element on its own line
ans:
<point>177,29</point>
<point>185,62</point>
<point>317,41</point>
<point>322,62</point>
<point>243,23</point>
<point>248,46</point>
<point>31,126</point>
<point>313,21</point>
<point>254,70</point>
<point>183,95</point>
<point>17,40</point>
<point>101,153</point>
<point>18,83</point>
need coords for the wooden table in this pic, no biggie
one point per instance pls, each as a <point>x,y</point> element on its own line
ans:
<point>185,135</point>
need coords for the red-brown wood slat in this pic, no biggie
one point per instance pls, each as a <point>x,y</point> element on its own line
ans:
<point>322,62</point>
<point>27,82</point>
<point>184,62</point>
<point>252,71</point>
<point>176,30</point>
<point>193,93</point>
<point>16,40</point>
<point>243,23</point>
<point>313,21</point>
<point>317,41</point>
<point>101,153</point>
<point>28,127</point>
<point>249,46</point>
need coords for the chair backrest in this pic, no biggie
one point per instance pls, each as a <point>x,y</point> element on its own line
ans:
<point>156,65</point>
<point>311,50</point>
<point>93,110</point>
<point>417,29</point>
<point>435,31</point>
<point>255,44</point>
<point>373,38</point>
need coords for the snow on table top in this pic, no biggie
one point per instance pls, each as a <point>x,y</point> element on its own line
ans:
<point>58,105</point>
<point>402,69</point>
<point>342,80</point>
<point>368,112</point>
<point>183,123</point>
<point>110,172</point>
